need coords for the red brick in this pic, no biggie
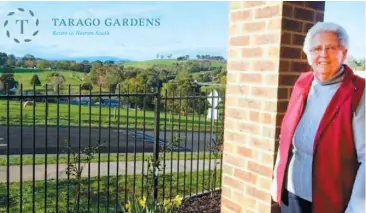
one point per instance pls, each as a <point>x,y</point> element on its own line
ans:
<point>244,151</point>
<point>259,194</point>
<point>267,118</point>
<point>292,25</point>
<point>291,52</point>
<point>234,29</point>
<point>245,176</point>
<point>298,39</point>
<point>249,128</point>
<point>282,93</point>
<point>255,52</point>
<point>271,79</point>
<point>250,78</point>
<point>287,80</point>
<point>242,15</point>
<point>237,89</point>
<point>264,92</point>
<point>267,158</point>
<point>287,10</point>
<point>316,5</point>
<point>239,41</point>
<point>270,38</point>
<point>254,27</point>
<point>282,105</point>
<point>235,161</point>
<point>261,143</point>
<point>284,65</point>
<point>234,52</point>
<point>231,101</point>
<point>237,65</point>
<point>250,103</point>
<point>274,24</point>
<point>232,77</point>
<point>260,169</point>
<point>265,207</point>
<point>264,66</point>
<point>268,11</point>
<point>236,113</point>
<point>299,66</point>
<point>286,38</point>
<point>230,205</point>
<point>254,116</point>
<point>304,14</point>
<point>251,4</point>
<point>273,52</point>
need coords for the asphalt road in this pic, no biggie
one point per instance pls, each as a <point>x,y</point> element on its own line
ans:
<point>132,140</point>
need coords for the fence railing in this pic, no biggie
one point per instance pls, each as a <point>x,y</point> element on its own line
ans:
<point>91,152</point>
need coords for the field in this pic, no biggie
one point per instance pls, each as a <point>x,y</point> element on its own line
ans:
<point>105,193</point>
<point>164,62</point>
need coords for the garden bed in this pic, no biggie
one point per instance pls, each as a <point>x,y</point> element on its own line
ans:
<point>204,203</point>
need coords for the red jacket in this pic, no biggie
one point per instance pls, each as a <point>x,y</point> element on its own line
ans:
<point>335,162</point>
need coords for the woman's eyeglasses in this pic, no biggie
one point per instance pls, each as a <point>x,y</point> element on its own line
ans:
<point>329,49</point>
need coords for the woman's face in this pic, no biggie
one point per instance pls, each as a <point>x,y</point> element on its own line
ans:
<point>326,56</point>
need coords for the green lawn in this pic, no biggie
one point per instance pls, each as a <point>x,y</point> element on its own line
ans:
<point>104,191</point>
<point>59,114</point>
<point>164,62</point>
<point>25,78</point>
<point>63,158</point>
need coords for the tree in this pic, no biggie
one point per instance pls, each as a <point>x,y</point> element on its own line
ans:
<point>87,86</point>
<point>3,58</point>
<point>56,80</point>
<point>11,60</point>
<point>35,80</point>
<point>42,64</point>
<point>7,80</point>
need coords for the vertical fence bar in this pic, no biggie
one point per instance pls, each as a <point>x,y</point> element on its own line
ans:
<point>7,151</point>
<point>143,143</point>
<point>100,141</point>
<point>79,146</point>
<point>210,144</point>
<point>118,146</point>
<point>171,147</point>
<point>89,145</point>
<point>199,143</point>
<point>58,146</point>
<point>21,148</point>
<point>223,129</point>
<point>126,157</point>
<point>34,151</point>
<point>109,146</point>
<point>193,111</point>
<point>179,139</point>
<point>165,109</point>
<point>156,144</point>
<point>135,144</point>
<point>204,147</point>
<point>185,144</point>
<point>46,150</point>
<point>68,150</point>
<point>218,139</point>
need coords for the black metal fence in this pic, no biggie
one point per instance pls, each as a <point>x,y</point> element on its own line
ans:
<point>63,151</point>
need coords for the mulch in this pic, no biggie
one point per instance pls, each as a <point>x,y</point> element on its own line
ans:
<point>202,204</point>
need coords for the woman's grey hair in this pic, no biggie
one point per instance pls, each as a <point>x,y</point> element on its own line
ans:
<point>321,27</point>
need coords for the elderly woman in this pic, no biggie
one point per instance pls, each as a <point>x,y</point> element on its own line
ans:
<point>320,165</point>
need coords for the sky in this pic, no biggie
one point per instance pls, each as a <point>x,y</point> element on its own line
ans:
<point>185,28</point>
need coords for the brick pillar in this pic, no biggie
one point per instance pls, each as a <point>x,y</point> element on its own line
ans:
<point>265,59</point>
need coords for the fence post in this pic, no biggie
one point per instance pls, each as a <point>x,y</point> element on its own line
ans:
<point>156,142</point>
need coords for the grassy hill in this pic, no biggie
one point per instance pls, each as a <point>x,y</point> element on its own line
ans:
<point>164,62</point>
